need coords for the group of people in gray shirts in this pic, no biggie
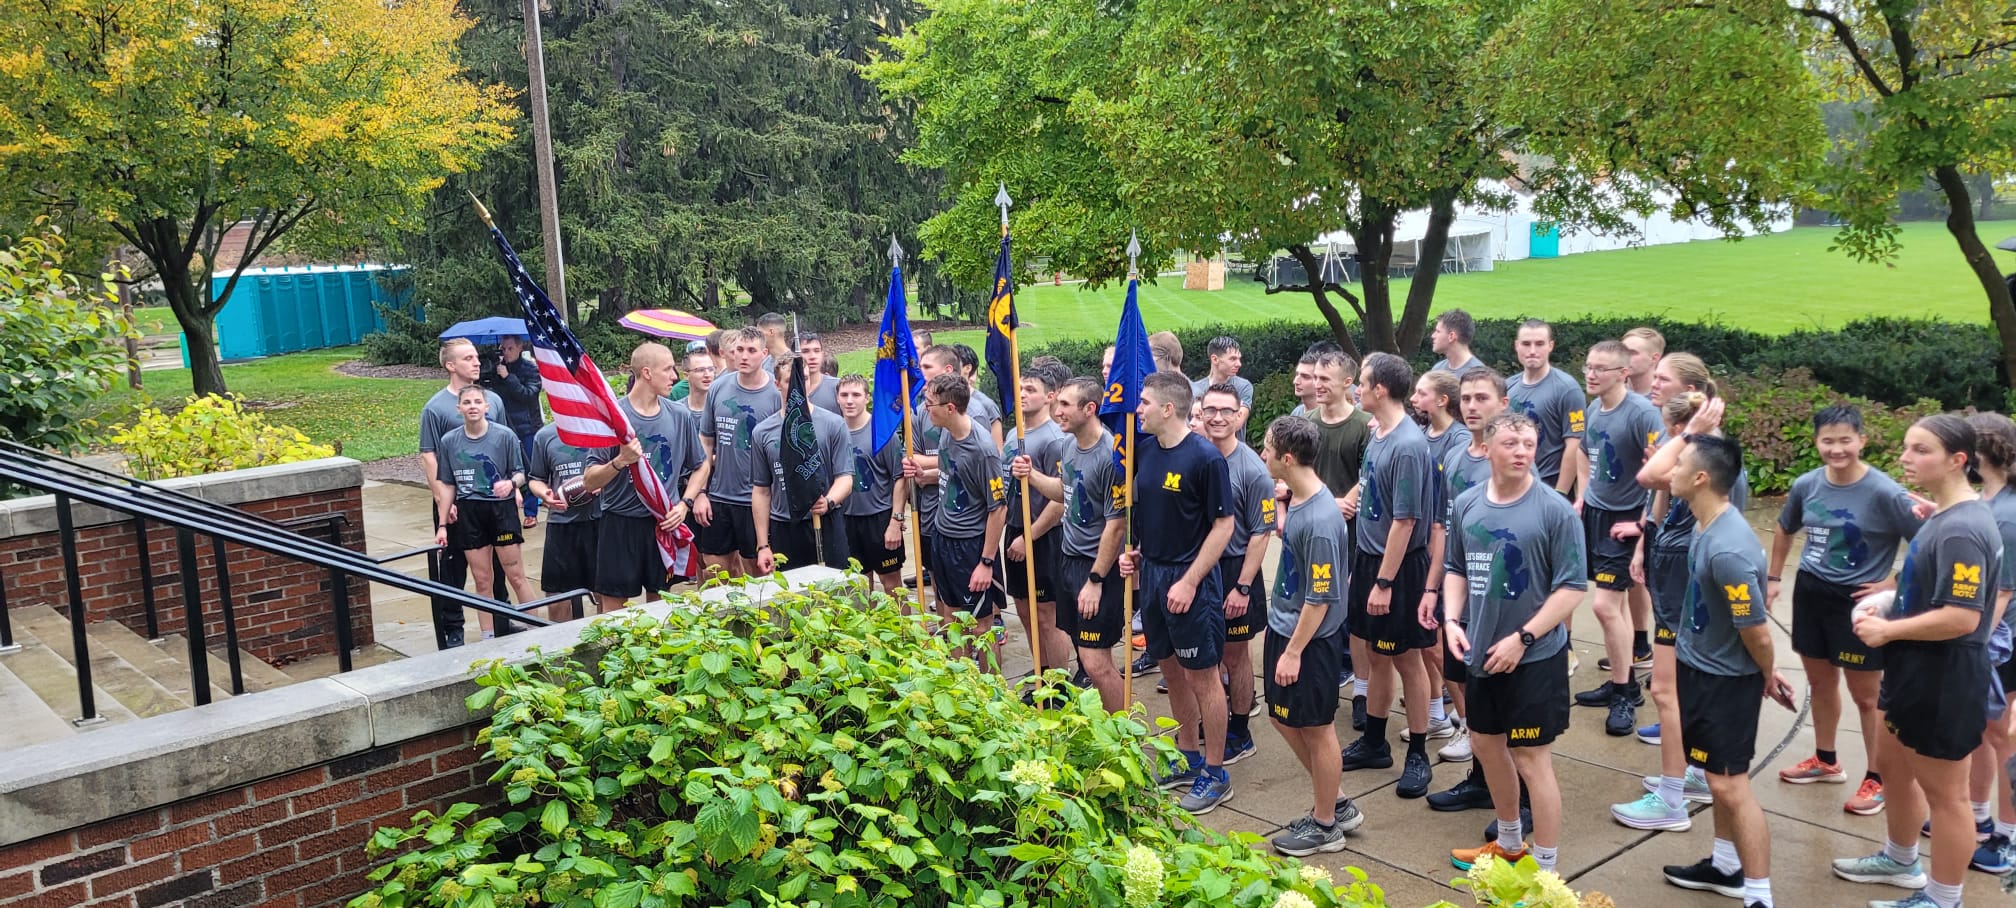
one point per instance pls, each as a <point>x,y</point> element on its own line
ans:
<point>1435,535</point>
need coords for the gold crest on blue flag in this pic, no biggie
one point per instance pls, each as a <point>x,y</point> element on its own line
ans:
<point>1001,326</point>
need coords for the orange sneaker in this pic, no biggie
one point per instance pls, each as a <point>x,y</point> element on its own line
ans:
<point>1811,770</point>
<point>1868,799</point>
<point>1463,858</point>
<point>1140,641</point>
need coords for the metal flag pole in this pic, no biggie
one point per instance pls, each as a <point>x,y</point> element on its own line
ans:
<point>1127,538</point>
<point>910,445</point>
<point>1035,616</point>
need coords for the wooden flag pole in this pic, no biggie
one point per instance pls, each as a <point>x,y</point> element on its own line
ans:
<point>1127,538</point>
<point>916,514</point>
<point>1035,617</point>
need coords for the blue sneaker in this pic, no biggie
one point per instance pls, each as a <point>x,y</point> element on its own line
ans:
<point>1982,830</point>
<point>1993,855</point>
<point>1238,747</point>
<point>1212,788</point>
<point>1915,900</point>
<point>1181,778</point>
<point>1649,733</point>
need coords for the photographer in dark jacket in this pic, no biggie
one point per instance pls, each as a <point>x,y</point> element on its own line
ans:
<point>515,378</point>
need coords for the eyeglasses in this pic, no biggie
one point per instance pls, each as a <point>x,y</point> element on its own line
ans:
<point>701,370</point>
<point>1216,412</point>
<point>1599,370</point>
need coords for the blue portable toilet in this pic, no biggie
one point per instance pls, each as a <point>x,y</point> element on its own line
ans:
<point>1546,240</point>
<point>287,310</point>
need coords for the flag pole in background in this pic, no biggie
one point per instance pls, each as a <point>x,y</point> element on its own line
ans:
<point>896,367</point>
<point>1001,325</point>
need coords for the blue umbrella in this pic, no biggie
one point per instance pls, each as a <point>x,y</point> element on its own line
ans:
<point>487,330</point>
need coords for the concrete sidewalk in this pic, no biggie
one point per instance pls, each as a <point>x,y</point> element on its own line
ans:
<point>1403,845</point>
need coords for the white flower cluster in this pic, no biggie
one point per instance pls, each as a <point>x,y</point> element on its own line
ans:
<point>1142,877</point>
<point>1031,772</point>
<point>1293,899</point>
<point>1315,876</point>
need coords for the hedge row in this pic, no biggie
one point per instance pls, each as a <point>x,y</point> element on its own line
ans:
<point>1893,361</point>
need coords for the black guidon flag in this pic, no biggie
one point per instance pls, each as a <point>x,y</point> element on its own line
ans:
<point>803,462</point>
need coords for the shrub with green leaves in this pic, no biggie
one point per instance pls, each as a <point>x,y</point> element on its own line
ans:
<point>210,434</point>
<point>820,748</point>
<point>1771,414</point>
<point>60,346</point>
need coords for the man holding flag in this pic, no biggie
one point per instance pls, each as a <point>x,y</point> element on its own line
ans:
<point>899,386</point>
<point>805,450</point>
<point>667,442</point>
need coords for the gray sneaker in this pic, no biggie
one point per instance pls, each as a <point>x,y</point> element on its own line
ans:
<point>1212,788</point>
<point>1879,868</point>
<point>1437,728</point>
<point>1305,836</point>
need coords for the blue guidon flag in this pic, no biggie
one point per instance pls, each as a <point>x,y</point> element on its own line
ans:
<point>1001,326</point>
<point>584,410</point>
<point>1133,362</point>
<point>895,357</point>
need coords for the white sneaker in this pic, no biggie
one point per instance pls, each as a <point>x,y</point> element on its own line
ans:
<point>1437,728</point>
<point>1458,748</point>
<point>1574,662</point>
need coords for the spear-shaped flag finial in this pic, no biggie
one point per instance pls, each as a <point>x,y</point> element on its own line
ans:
<point>481,211</point>
<point>1002,201</point>
<point>1133,252</point>
<point>895,252</point>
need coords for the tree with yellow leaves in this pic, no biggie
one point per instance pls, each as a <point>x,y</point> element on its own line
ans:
<point>162,124</point>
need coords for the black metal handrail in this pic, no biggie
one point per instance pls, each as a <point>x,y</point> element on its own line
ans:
<point>189,515</point>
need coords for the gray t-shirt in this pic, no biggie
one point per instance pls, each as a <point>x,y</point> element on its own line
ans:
<point>1252,501</point>
<point>1725,593</point>
<point>2003,506</point>
<point>1676,532</point>
<point>1046,443</point>
<point>1397,483</point>
<point>1955,560</point>
<point>969,484</point>
<point>1089,483</point>
<point>1852,531</point>
<point>1312,568</point>
<point>440,416</point>
<point>1461,472</point>
<point>1616,440</point>
<point>1453,439</point>
<point>1443,365</point>
<point>984,413</point>
<point>1514,555</point>
<point>473,465</point>
<point>1555,405</point>
<point>553,462</point>
<point>835,457</point>
<point>671,443</point>
<point>875,472</point>
<point>827,395</point>
<point>736,412</point>
<point>1241,385</point>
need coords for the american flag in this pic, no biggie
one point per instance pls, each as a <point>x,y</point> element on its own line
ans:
<point>584,412</point>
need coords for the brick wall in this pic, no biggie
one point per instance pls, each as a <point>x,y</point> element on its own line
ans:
<point>283,606</point>
<point>292,841</point>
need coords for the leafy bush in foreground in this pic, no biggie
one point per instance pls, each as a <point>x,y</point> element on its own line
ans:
<point>1771,415</point>
<point>818,748</point>
<point>210,434</point>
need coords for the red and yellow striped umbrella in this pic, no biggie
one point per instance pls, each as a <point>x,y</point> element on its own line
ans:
<point>670,323</point>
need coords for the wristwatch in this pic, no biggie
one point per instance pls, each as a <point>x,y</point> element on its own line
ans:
<point>1525,637</point>
<point>688,502</point>
<point>1095,578</point>
<point>1245,589</point>
<point>1384,583</point>
<point>991,563</point>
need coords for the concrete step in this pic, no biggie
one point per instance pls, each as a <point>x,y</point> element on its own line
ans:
<point>258,675</point>
<point>27,719</point>
<point>168,668</point>
<point>326,666</point>
<point>130,686</point>
<point>54,679</point>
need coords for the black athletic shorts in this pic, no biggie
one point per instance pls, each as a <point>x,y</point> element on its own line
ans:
<point>1666,575</point>
<point>569,562</point>
<point>627,562</point>
<point>1935,696</point>
<point>1046,551</point>
<point>1609,559</point>
<point>1249,625</point>
<point>1106,628</point>
<point>1718,718</point>
<point>1399,630</point>
<point>1311,702</point>
<point>953,561</point>
<point>1454,670</point>
<point>1823,625</point>
<point>864,543</point>
<point>792,540</point>
<point>1195,638</point>
<point>733,531</point>
<point>1528,705</point>
<point>481,523</point>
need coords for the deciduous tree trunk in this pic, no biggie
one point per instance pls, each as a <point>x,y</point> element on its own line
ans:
<point>1960,223</point>
<point>1314,268</point>
<point>1421,293</point>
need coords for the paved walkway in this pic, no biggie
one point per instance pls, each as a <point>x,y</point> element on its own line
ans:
<point>1403,845</point>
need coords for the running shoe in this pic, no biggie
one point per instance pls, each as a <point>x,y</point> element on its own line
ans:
<point>1238,747</point>
<point>1345,678</point>
<point>1982,830</point>
<point>1357,713</point>
<point>1525,825</point>
<point>1081,680</point>
<point>1212,788</point>
<point>1366,753</point>
<point>1695,791</point>
<point>1464,858</point>
<point>1640,659</point>
<point>1146,666</point>
<point>1468,794</point>
<point>1915,900</point>
<point>1416,776</point>
<point>1868,799</point>
<point>1437,728</point>
<point>1458,750</point>
<point>1879,868</point>
<point>1703,877</point>
<point>1259,707</point>
<point>1623,716</point>
<point>1305,837</point>
<point>1651,812</point>
<point>1181,778</point>
<point>1811,770</point>
<point>1162,685</point>
<point>1993,856</point>
<point>1649,734</point>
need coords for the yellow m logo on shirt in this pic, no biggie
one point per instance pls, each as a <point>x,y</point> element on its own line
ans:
<point>1319,572</point>
<point>1966,573</point>
<point>1737,592</point>
<point>1172,482</point>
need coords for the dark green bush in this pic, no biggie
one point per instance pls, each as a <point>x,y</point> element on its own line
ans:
<point>1771,415</point>
<point>1273,398</point>
<point>1896,361</point>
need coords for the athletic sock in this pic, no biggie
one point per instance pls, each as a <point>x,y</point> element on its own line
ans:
<point>1945,895</point>
<point>1545,856</point>
<point>1509,838</point>
<point>1375,729</point>
<point>1827,756</point>
<point>1195,757</point>
<point>1417,744</point>
<point>1436,711</point>
<point>1873,776</point>
<point>1639,642</point>
<point>1724,857</point>
<point>2006,830</point>
<point>1235,724</point>
<point>1673,791</point>
<point>1757,891</point>
<point>1477,776</point>
<point>1902,854</point>
<point>1980,811</point>
<point>1361,687</point>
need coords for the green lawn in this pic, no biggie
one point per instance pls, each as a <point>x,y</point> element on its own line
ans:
<point>154,320</point>
<point>374,418</point>
<point>1773,284</point>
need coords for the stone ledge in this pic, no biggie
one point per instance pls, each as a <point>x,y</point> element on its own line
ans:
<point>37,514</point>
<point>110,772</point>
